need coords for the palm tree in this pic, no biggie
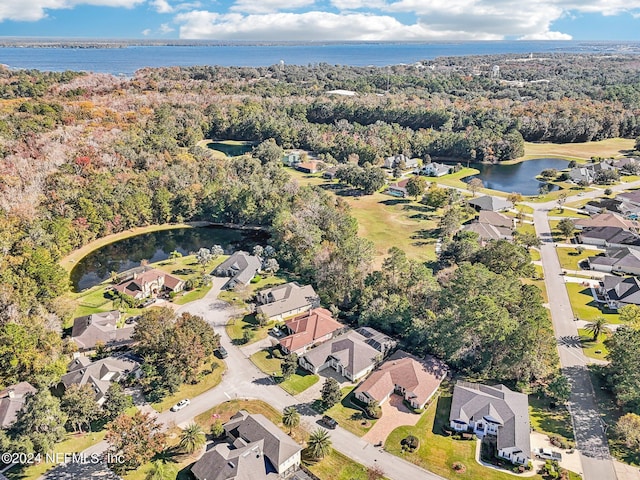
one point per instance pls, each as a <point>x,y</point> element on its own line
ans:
<point>598,326</point>
<point>192,438</point>
<point>319,444</point>
<point>159,471</point>
<point>290,418</point>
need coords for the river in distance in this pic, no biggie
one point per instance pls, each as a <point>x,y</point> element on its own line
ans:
<point>127,59</point>
<point>128,253</point>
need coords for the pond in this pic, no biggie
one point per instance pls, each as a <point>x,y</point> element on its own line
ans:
<point>231,149</point>
<point>156,246</point>
<point>517,177</point>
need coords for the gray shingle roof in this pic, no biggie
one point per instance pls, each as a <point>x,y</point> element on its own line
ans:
<point>351,349</point>
<point>98,374</point>
<point>474,401</point>
<point>622,290</point>
<point>278,446</point>
<point>100,327</point>
<point>224,462</point>
<point>286,298</point>
<point>12,400</point>
<point>487,202</point>
<point>241,266</point>
<point>618,258</point>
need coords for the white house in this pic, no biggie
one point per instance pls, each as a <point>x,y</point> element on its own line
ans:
<point>494,410</point>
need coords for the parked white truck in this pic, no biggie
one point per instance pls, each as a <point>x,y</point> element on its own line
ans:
<point>547,454</point>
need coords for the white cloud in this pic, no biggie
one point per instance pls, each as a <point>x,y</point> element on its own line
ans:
<point>357,4</point>
<point>165,28</point>
<point>308,26</point>
<point>546,36</point>
<point>161,6</point>
<point>269,6</point>
<point>33,10</point>
<point>146,32</point>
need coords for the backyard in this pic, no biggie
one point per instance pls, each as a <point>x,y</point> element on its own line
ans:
<point>570,257</point>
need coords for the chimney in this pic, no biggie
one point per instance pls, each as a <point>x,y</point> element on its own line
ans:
<point>11,393</point>
<point>89,319</point>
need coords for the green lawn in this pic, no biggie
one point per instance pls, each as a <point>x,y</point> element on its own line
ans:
<point>535,255</point>
<point>526,228</point>
<point>206,382</point>
<point>437,452</point>
<point>73,444</point>
<point>337,466</point>
<point>550,421</point>
<point>570,257</point>
<point>585,307</point>
<point>591,348</point>
<point>270,361</point>
<point>347,415</point>
<point>565,212</point>
<point>237,326</point>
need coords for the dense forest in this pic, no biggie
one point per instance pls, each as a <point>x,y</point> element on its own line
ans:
<point>86,155</point>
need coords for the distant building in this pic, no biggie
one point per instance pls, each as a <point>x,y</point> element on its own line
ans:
<point>255,450</point>
<point>102,327</point>
<point>291,159</point>
<point>491,226</point>
<point>435,169</point>
<point>398,189</point>
<point>609,237</point>
<point>12,400</point>
<point>400,161</point>
<point>621,260</point>
<point>241,267</point>
<point>607,219</point>
<point>308,167</point>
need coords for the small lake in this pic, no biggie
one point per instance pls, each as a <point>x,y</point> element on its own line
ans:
<point>231,149</point>
<point>156,246</point>
<point>518,177</point>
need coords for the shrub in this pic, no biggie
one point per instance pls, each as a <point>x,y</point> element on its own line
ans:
<point>410,443</point>
<point>247,335</point>
<point>458,466</point>
<point>256,279</point>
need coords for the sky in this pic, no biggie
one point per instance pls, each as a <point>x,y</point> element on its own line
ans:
<point>318,20</point>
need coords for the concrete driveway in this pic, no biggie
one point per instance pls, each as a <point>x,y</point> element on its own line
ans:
<point>394,415</point>
<point>570,461</point>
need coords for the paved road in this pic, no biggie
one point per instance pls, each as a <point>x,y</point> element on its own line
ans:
<point>589,429</point>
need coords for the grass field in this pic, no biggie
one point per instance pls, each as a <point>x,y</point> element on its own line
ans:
<point>611,147</point>
<point>237,326</point>
<point>338,467</point>
<point>569,257</point>
<point>585,307</point>
<point>566,212</point>
<point>591,348</point>
<point>550,421</point>
<point>438,452</point>
<point>74,443</point>
<point>206,382</point>
<point>347,415</point>
<point>270,361</point>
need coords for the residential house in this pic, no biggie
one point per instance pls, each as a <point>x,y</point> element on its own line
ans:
<point>102,328</point>
<point>308,167</point>
<point>398,189</point>
<point>491,226</point>
<point>309,329</point>
<point>282,301</point>
<point>255,450</point>
<point>348,354</point>
<point>626,163</point>
<point>291,159</point>
<point>330,173</point>
<point>490,203</point>
<point>623,260</point>
<point>434,169</point>
<point>414,379</point>
<point>619,291</point>
<point>493,410</point>
<point>631,198</point>
<point>378,340</point>
<point>606,219</point>
<point>12,400</point>
<point>143,283</point>
<point>582,175</point>
<point>396,161</point>
<point>241,267</point>
<point>609,237</point>
<point>99,374</point>
<point>600,205</point>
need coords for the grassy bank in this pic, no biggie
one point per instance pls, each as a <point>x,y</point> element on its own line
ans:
<point>611,147</point>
